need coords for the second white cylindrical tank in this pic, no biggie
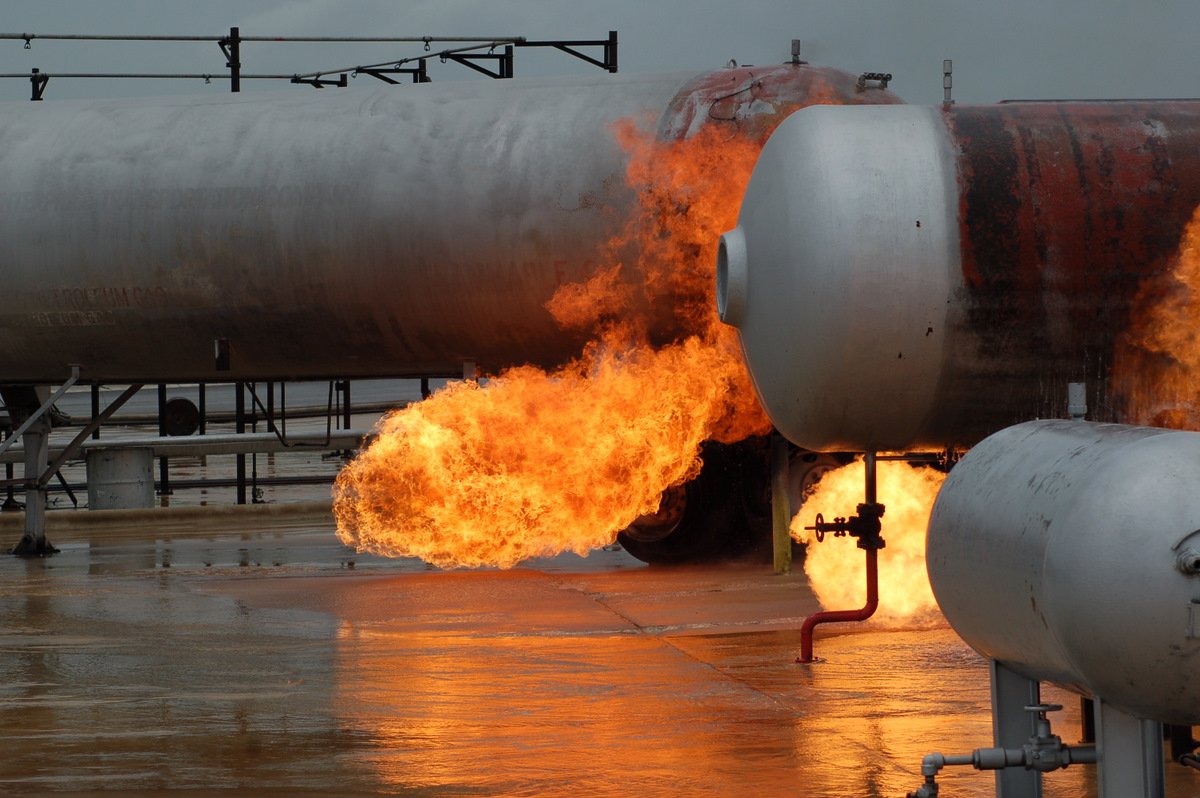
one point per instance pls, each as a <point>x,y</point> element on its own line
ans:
<point>1070,552</point>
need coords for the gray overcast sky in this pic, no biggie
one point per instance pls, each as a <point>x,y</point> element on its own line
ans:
<point>1016,48</point>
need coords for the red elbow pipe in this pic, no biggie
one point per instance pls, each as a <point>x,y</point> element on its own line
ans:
<point>840,616</point>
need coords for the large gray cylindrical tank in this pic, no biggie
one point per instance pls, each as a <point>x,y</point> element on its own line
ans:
<point>1070,552</point>
<point>397,231</point>
<point>905,277</point>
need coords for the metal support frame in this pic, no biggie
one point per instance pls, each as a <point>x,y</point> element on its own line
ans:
<point>607,61</point>
<point>1011,727</point>
<point>280,428</point>
<point>1130,750</point>
<point>231,46</point>
<point>340,82</point>
<point>164,468</point>
<point>476,61</point>
<point>37,82</point>
<point>781,511</point>
<point>34,433</point>
<point>468,55</point>
<point>239,426</point>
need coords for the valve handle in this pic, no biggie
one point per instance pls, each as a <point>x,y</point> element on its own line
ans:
<point>818,527</point>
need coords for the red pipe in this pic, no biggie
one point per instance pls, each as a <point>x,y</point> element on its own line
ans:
<point>839,616</point>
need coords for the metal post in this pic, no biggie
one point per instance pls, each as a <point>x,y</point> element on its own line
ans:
<point>95,407</point>
<point>869,475</point>
<point>239,426</point>
<point>1130,755</point>
<point>10,500</point>
<point>1077,400</point>
<point>254,456</point>
<point>610,52</point>
<point>425,392</point>
<point>36,440</point>
<point>271,407</point>
<point>38,83</point>
<point>1012,726</point>
<point>164,471</point>
<point>781,511</point>
<point>235,60</point>
<point>202,406</point>
<point>1087,720</point>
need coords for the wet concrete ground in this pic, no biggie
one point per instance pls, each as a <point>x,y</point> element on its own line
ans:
<point>248,652</point>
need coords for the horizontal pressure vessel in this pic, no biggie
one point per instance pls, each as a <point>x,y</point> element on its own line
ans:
<point>398,231</point>
<point>1070,552</point>
<point>908,276</point>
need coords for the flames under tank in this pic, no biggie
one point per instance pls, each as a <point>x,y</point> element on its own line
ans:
<point>394,232</point>
<point>1070,552</point>
<point>923,276</point>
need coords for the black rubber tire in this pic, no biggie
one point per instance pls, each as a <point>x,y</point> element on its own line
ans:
<point>723,516</point>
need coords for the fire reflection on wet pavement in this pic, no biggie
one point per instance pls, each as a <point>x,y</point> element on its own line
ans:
<point>229,659</point>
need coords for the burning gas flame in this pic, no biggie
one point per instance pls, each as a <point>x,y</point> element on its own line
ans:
<point>1156,368</point>
<point>534,463</point>
<point>835,567</point>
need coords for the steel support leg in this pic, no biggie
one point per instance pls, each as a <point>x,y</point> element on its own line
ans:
<point>781,511</point>
<point>1012,726</point>
<point>36,442</point>
<point>1130,755</point>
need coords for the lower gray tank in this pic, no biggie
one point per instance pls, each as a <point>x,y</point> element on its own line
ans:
<point>1070,552</point>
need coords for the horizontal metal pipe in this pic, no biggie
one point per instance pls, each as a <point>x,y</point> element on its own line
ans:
<point>223,36</point>
<point>166,75</point>
<point>224,443</point>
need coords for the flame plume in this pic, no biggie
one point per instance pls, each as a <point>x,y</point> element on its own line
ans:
<point>1157,364</point>
<point>534,463</point>
<point>835,567</point>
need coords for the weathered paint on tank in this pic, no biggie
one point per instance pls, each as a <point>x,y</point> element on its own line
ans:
<point>1065,210</point>
<point>394,232</point>
<point>755,100</point>
<point>909,277</point>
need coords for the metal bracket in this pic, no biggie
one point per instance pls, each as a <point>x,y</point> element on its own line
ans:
<point>321,83</point>
<point>38,82</point>
<point>607,61</point>
<point>504,62</point>
<point>280,430</point>
<point>231,46</point>
<point>76,443</point>
<point>419,73</point>
<point>41,411</point>
<point>882,78</point>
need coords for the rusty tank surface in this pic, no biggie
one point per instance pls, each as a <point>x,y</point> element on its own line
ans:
<point>907,276</point>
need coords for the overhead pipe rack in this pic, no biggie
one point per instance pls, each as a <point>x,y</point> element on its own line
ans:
<point>491,63</point>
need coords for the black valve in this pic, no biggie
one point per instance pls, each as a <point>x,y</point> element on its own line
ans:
<point>865,526</point>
